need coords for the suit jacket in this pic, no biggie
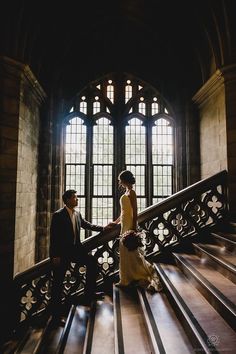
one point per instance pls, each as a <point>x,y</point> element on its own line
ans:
<point>62,238</point>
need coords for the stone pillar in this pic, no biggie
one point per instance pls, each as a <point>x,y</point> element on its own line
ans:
<point>20,99</point>
<point>10,79</point>
<point>215,102</point>
<point>192,145</point>
<point>230,102</point>
<point>44,185</point>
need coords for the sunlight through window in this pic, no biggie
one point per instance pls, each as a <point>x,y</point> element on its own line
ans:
<point>120,124</point>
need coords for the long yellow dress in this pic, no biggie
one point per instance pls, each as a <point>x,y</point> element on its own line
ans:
<point>133,267</point>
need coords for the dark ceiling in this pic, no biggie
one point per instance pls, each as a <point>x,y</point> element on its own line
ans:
<point>171,44</point>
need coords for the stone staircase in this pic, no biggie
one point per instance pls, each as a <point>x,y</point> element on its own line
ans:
<point>195,312</point>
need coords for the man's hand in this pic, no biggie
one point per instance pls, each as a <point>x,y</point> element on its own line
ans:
<point>56,261</point>
<point>110,226</point>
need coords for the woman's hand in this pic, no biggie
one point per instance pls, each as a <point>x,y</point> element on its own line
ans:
<point>110,225</point>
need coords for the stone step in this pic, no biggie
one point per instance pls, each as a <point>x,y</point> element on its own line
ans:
<point>130,332</point>
<point>223,240</point>
<point>29,342</point>
<point>220,259</point>
<point>207,330</point>
<point>49,339</point>
<point>32,340</point>
<point>75,333</point>
<point>161,319</point>
<point>103,328</point>
<point>218,290</point>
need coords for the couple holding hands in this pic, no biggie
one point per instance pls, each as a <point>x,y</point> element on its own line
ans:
<point>66,247</point>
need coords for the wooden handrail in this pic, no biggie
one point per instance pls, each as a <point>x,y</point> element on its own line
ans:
<point>145,215</point>
<point>184,205</point>
<point>38,269</point>
<point>159,208</point>
<point>182,196</point>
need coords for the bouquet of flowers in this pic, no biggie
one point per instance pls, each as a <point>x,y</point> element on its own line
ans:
<point>131,240</point>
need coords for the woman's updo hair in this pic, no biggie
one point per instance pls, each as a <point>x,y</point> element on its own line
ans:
<point>127,176</point>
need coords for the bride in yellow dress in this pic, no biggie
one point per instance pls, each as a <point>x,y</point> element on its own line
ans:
<point>134,269</point>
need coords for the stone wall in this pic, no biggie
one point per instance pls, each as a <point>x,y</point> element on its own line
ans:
<point>20,98</point>
<point>9,112</point>
<point>215,102</point>
<point>230,89</point>
<point>210,100</point>
<point>44,185</point>
<point>26,186</point>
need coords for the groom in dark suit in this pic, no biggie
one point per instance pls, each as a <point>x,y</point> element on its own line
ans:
<point>66,247</point>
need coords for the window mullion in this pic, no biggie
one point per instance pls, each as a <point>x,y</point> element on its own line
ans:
<point>89,171</point>
<point>149,183</point>
<point>119,159</point>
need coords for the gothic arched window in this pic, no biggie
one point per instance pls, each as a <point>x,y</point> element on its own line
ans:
<point>116,124</point>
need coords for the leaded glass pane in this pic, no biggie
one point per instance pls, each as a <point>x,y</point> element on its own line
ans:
<point>102,180</point>
<point>162,181</point>
<point>83,107</point>
<point>141,203</point>
<point>96,107</point>
<point>142,108</point>
<point>162,142</point>
<point>102,210</point>
<point>155,108</point>
<point>75,178</point>
<point>110,91</point>
<point>135,142</point>
<point>128,93</point>
<point>75,147</point>
<point>103,142</point>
